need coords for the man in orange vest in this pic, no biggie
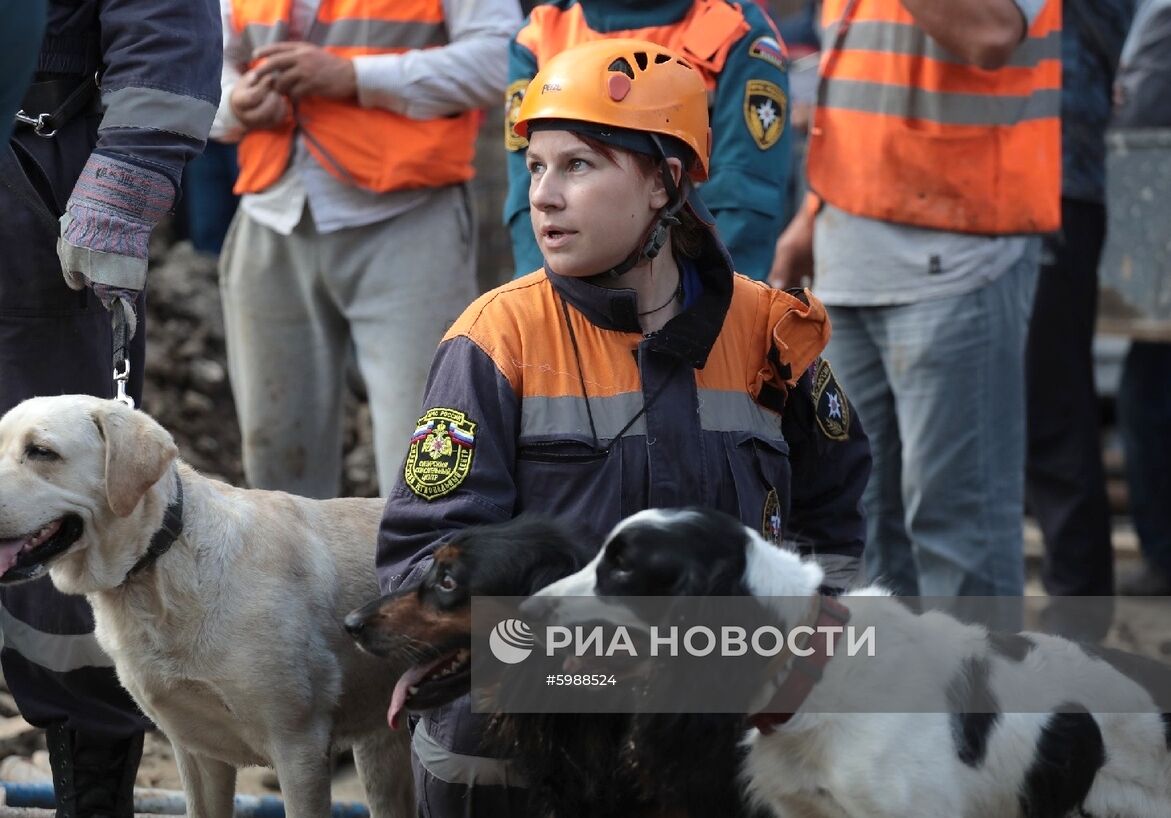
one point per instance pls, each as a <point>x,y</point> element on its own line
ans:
<point>356,127</point>
<point>935,161</point>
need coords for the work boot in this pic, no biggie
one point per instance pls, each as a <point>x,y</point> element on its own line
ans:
<point>93,775</point>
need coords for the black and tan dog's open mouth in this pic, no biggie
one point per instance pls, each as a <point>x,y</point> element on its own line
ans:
<point>26,557</point>
<point>429,685</point>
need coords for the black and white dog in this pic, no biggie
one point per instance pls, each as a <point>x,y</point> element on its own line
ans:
<point>835,758</point>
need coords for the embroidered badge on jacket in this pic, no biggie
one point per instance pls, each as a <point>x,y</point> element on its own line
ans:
<point>440,455</point>
<point>830,404</point>
<point>513,97</point>
<point>770,518</point>
<point>768,49</point>
<point>765,105</point>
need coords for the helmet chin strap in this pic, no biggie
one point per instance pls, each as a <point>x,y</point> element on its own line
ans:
<point>656,235</point>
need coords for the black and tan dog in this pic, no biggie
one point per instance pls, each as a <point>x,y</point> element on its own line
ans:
<point>600,765</point>
<point>429,623</point>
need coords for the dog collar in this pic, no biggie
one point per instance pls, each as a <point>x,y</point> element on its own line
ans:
<point>803,672</point>
<point>165,537</point>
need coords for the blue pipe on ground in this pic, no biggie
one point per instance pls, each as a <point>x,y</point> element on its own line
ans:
<point>171,802</point>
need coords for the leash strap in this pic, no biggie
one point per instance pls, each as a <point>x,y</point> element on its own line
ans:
<point>120,358</point>
<point>46,123</point>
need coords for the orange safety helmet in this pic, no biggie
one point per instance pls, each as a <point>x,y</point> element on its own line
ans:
<point>631,84</point>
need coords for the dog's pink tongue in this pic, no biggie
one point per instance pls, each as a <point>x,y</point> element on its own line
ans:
<point>9,551</point>
<point>402,688</point>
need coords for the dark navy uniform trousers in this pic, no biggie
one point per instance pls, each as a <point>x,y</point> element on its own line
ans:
<point>53,341</point>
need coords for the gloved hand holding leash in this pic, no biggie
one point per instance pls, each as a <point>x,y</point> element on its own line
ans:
<point>105,237</point>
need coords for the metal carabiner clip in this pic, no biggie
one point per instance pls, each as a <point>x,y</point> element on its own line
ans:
<point>120,380</point>
<point>40,123</point>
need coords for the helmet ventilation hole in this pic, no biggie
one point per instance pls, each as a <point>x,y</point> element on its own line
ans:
<point>621,65</point>
<point>640,57</point>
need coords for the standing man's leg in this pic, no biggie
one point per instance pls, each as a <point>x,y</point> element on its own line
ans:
<point>957,371</point>
<point>402,283</point>
<point>1065,483</point>
<point>1144,419</point>
<point>855,353</point>
<point>286,356</point>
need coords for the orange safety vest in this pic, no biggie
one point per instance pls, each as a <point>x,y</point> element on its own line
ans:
<point>704,35</point>
<point>370,148</point>
<point>905,132</point>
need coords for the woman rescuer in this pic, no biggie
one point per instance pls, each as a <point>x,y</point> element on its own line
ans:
<point>635,370</point>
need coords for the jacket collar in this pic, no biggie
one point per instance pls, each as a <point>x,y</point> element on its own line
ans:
<point>690,335</point>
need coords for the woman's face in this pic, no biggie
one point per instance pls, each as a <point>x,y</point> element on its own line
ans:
<point>589,211</point>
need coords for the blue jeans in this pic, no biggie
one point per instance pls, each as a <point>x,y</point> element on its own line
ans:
<point>939,386</point>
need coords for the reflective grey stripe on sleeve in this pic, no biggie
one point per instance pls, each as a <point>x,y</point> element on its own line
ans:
<point>719,411</point>
<point>464,770</point>
<point>936,106</point>
<point>157,110</point>
<point>907,39</point>
<point>379,34</point>
<point>56,652</point>
<point>255,35</point>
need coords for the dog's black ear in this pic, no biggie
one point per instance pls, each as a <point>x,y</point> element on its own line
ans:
<point>138,454</point>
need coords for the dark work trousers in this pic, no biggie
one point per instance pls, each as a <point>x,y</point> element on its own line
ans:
<point>1144,421</point>
<point>1065,484</point>
<point>53,341</point>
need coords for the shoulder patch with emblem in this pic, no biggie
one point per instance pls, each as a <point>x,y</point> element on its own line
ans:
<point>440,455</point>
<point>513,97</point>
<point>765,105</point>
<point>830,405</point>
<point>768,49</point>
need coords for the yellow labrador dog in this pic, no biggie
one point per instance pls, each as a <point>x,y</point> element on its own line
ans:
<point>222,607</point>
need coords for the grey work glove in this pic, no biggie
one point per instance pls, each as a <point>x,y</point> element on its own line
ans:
<point>105,232</point>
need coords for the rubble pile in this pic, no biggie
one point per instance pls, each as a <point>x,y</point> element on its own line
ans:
<point>187,388</point>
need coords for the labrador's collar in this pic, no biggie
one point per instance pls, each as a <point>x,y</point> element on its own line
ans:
<point>165,537</point>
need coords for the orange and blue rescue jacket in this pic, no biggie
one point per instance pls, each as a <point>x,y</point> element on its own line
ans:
<point>728,406</point>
